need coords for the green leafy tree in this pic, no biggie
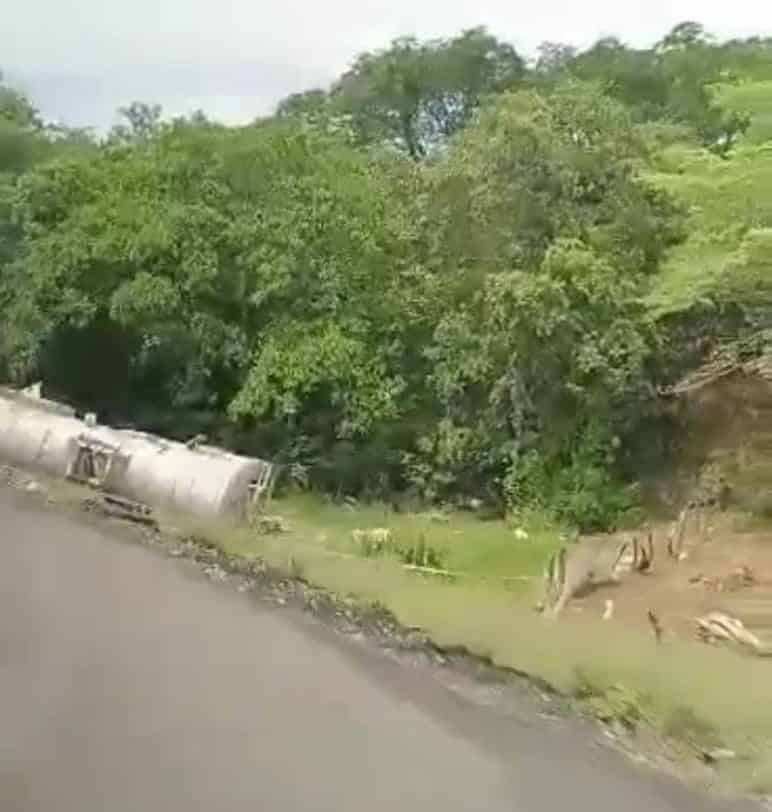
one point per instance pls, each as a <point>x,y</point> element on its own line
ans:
<point>139,122</point>
<point>546,237</point>
<point>132,239</point>
<point>23,142</point>
<point>262,269</point>
<point>317,110</point>
<point>330,259</point>
<point>554,57</point>
<point>20,128</point>
<point>15,108</point>
<point>415,94</point>
<point>683,36</point>
<point>311,104</point>
<point>670,82</point>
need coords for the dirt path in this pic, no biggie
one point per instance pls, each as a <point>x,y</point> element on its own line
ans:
<point>125,684</point>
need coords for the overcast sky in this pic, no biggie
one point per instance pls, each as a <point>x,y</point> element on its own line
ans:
<point>81,59</point>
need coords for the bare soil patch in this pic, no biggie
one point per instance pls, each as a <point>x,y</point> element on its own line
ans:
<point>727,568</point>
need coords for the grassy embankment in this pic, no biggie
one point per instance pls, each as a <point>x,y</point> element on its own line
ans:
<point>705,696</point>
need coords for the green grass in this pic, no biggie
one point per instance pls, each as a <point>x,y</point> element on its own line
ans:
<point>475,548</point>
<point>726,199</point>
<point>754,98</point>
<point>702,695</point>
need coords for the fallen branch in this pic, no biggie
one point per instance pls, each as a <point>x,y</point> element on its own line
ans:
<point>454,574</point>
<point>718,626</point>
<point>430,571</point>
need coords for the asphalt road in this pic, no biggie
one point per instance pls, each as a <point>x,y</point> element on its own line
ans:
<point>128,685</point>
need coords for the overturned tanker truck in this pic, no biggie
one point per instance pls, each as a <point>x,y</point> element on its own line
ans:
<point>187,478</point>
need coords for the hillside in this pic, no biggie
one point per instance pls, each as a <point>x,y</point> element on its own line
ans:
<point>753,96</point>
<point>727,256</point>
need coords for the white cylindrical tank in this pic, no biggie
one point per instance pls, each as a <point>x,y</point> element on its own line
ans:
<point>199,480</point>
<point>202,480</point>
<point>36,434</point>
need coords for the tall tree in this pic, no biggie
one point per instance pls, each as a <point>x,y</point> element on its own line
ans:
<point>415,94</point>
<point>15,108</point>
<point>309,103</point>
<point>20,126</point>
<point>140,121</point>
<point>554,58</point>
<point>687,34</point>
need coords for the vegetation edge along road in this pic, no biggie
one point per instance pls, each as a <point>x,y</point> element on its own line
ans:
<point>284,584</point>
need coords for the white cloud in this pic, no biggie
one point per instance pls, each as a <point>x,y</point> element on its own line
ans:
<point>81,59</point>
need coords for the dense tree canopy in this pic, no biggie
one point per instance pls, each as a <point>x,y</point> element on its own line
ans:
<point>438,274</point>
<point>19,124</point>
<point>415,94</point>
